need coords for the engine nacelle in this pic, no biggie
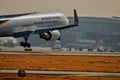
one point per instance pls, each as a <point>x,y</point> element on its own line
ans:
<point>51,35</point>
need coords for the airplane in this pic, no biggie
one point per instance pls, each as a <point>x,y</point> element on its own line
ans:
<point>46,25</point>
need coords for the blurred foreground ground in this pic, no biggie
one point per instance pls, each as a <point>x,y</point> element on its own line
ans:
<point>37,77</point>
<point>60,63</point>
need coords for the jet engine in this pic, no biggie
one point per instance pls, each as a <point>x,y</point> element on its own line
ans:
<point>51,35</point>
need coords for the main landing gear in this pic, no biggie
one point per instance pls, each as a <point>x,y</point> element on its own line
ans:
<point>26,45</point>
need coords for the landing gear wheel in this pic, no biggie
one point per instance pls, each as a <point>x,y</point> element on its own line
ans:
<point>25,45</point>
<point>28,45</point>
<point>21,73</point>
<point>22,43</point>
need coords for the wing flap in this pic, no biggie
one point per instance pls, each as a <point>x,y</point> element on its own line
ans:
<point>22,34</point>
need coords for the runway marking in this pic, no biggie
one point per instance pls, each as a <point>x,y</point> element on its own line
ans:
<point>65,53</point>
<point>60,73</point>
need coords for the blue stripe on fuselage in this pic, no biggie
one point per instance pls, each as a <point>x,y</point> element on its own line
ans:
<point>2,21</point>
<point>13,15</point>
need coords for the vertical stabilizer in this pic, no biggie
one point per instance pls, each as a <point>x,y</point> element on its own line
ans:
<point>76,20</point>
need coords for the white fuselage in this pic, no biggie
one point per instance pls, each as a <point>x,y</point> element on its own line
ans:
<point>31,22</point>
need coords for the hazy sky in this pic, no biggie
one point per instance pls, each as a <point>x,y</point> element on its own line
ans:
<point>84,7</point>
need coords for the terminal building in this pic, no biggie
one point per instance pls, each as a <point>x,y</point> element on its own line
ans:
<point>104,31</point>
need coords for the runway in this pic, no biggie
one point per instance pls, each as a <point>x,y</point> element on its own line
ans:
<point>61,73</point>
<point>72,53</point>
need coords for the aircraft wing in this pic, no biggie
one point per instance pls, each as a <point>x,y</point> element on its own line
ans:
<point>22,34</point>
<point>41,30</point>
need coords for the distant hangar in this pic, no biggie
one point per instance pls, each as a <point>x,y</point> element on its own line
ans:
<point>105,30</point>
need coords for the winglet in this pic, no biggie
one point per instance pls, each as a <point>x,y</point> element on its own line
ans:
<point>76,20</point>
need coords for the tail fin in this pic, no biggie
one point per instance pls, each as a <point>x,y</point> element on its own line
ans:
<point>76,20</point>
